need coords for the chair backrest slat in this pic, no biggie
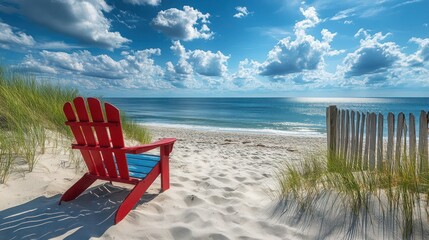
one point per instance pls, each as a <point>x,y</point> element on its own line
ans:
<point>78,135</point>
<point>82,113</point>
<point>87,129</point>
<point>102,136</point>
<point>113,116</point>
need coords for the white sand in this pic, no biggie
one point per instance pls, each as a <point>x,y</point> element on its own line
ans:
<point>221,188</point>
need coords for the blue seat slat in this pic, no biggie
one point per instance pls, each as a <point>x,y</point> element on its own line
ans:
<point>141,169</point>
<point>139,165</point>
<point>146,157</point>
<point>135,162</point>
<point>137,175</point>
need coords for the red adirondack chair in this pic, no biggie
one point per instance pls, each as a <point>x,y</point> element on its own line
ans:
<point>108,159</point>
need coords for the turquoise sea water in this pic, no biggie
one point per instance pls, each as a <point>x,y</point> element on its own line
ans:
<point>266,115</point>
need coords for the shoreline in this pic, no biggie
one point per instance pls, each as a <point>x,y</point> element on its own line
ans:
<point>305,143</point>
<point>256,131</point>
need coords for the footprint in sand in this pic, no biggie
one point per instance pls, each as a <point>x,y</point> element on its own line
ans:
<point>217,236</point>
<point>183,179</point>
<point>240,179</point>
<point>228,189</point>
<point>192,217</point>
<point>230,209</point>
<point>218,200</point>
<point>176,184</point>
<point>181,233</point>
<point>192,200</point>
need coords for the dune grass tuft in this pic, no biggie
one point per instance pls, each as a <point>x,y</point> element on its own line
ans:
<point>135,131</point>
<point>400,192</point>
<point>28,109</point>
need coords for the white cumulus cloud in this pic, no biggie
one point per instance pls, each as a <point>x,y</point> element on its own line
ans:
<point>422,55</point>
<point>303,53</point>
<point>205,63</point>
<point>193,64</point>
<point>135,69</point>
<point>241,12</point>
<point>9,37</point>
<point>183,24</point>
<point>373,55</point>
<point>12,39</point>
<point>83,20</point>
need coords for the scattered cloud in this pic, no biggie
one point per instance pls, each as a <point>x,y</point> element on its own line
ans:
<point>30,64</point>
<point>246,75</point>
<point>373,56</point>
<point>205,63</point>
<point>348,22</point>
<point>421,56</point>
<point>276,33</point>
<point>56,45</point>
<point>364,9</point>
<point>10,38</point>
<point>144,2</point>
<point>406,3</point>
<point>241,12</point>
<point>135,69</point>
<point>183,24</point>
<point>194,62</point>
<point>344,14</point>
<point>83,20</point>
<point>129,20</point>
<point>303,53</point>
<point>311,19</point>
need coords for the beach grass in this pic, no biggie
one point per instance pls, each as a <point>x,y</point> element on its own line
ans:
<point>29,108</point>
<point>402,193</point>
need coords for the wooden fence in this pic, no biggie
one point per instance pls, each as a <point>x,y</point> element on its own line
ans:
<point>357,137</point>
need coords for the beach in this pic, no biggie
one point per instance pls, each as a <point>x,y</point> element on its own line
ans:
<point>223,186</point>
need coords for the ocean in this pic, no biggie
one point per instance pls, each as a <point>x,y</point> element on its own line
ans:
<point>288,116</point>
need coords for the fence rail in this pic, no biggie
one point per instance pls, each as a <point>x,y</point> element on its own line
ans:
<point>357,137</point>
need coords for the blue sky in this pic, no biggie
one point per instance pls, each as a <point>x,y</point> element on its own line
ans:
<point>194,48</point>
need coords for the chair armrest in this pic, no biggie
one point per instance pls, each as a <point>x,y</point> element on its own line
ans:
<point>146,147</point>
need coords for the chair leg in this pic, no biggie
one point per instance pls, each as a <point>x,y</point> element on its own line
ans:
<point>165,173</point>
<point>77,188</point>
<point>136,193</point>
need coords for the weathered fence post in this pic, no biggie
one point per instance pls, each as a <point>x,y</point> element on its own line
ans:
<point>366,150</point>
<point>390,139</point>
<point>380,142</point>
<point>347,135</point>
<point>412,136</point>
<point>372,140</point>
<point>399,131</point>
<point>343,134</point>
<point>356,157</point>
<point>331,127</point>
<point>423,142</point>
<point>362,127</point>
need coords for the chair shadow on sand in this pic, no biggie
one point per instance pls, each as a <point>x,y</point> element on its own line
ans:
<point>89,215</point>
